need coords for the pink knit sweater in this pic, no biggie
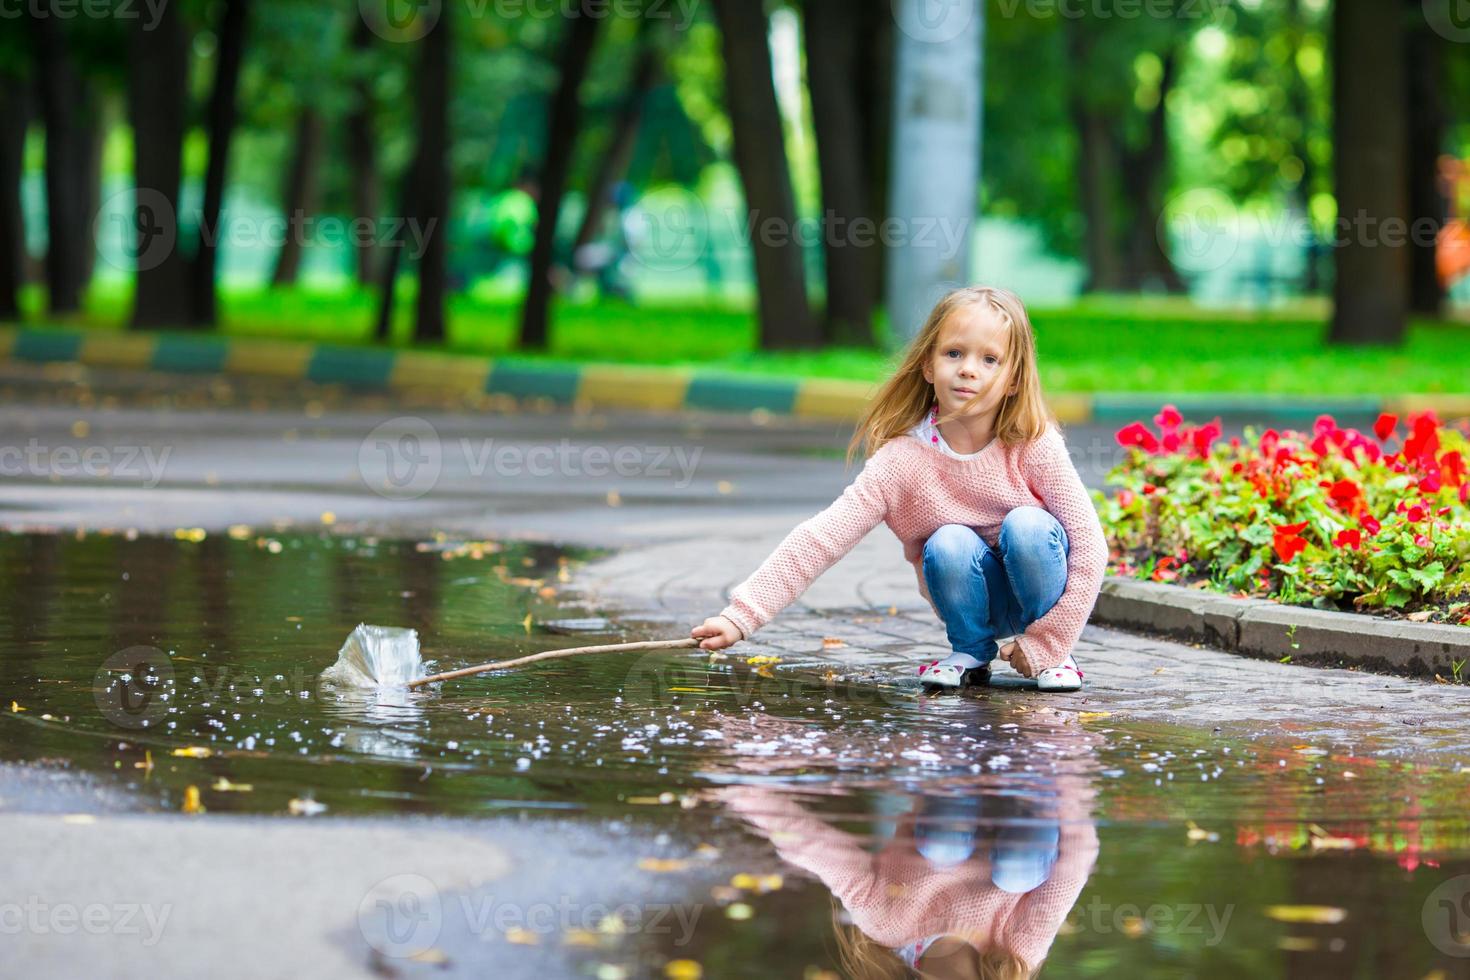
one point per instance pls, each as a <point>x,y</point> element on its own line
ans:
<point>915,489</point>
<point>896,896</point>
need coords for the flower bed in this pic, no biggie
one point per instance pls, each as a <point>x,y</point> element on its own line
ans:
<point>1335,518</point>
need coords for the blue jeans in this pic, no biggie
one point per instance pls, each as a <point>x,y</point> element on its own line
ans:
<point>983,593</point>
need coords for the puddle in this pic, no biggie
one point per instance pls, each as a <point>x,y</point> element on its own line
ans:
<point>828,824</point>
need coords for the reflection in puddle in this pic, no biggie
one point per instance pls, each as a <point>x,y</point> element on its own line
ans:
<point>985,835</point>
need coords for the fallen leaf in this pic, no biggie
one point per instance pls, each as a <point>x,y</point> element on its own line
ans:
<point>1093,715</point>
<point>194,752</point>
<point>1296,944</point>
<point>223,785</point>
<point>1316,914</point>
<point>831,642</point>
<point>683,970</point>
<point>305,807</point>
<point>192,803</point>
<point>663,865</point>
<point>15,707</point>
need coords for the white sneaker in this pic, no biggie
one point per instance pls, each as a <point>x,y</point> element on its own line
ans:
<point>1065,676</point>
<point>953,676</point>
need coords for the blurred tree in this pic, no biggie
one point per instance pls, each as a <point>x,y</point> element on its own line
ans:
<point>1428,208</point>
<point>69,109</point>
<point>1371,294</point>
<point>300,191</point>
<point>1120,77</point>
<point>221,115</point>
<point>158,76</point>
<point>851,95</point>
<point>624,136</point>
<point>425,192</point>
<point>433,181</point>
<point>760,156</point>
<point>16,86</point>
<point>1273,138</point>
<point>362,151</point>
<point>563,123</point>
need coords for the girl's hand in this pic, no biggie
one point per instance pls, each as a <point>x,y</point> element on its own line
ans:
<point>1012,654</point>
<point>718,631</point>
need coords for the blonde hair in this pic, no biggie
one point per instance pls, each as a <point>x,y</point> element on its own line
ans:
<point>863,958</point>
<point>906,396</point>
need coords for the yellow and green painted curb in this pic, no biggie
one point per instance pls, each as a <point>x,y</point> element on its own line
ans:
<point>651,388</point>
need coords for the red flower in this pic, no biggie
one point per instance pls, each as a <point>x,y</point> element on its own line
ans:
<point>1424,440</point>
<point>1168,418</point>
<point>1349,538</point>
<point>1423,541</point>
<point>1149,488</point>
<point>1385,425</point>
<point>1325,425</point>
<point>1204,437</point>
<point>1287,540</point>
<point>1430,483</point>
<point>1416,514</point>
<point>1138,434</point>
<point>1452,467</point>
<point>1126,498</point>
<point>1347,496</point>
<point>1172,441</point>
<point>1371,525</point>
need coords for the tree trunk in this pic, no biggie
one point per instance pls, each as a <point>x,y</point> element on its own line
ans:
<point>1299,104</point>
<point>1371,165</point>
<point>221,116</point>
<point>431,194</point>
<point>563,124</point>
<point>1428,209</point>
<point>1097,175</point>
<point>158,69</point>
<point>299,195</point>
<point>875,102</point>
<point>66,108</point>
<point>1144,177</point>
<point>15,117</point>
<point>832,63</point>
<point>362,157</point>
<point>614,163</point>
<point>760,156</point>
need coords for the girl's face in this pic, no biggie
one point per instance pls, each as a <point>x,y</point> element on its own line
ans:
<point>971,358</point>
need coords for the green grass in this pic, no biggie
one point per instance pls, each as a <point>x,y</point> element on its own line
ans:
<point>1115,344</point>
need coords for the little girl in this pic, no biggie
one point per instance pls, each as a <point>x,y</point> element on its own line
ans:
<point>968,468</point>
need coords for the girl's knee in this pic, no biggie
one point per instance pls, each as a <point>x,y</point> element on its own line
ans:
<point>951,543</point>
<point>1031,526</point>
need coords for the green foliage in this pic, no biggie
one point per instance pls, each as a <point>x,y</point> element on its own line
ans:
<point>1333,518</point>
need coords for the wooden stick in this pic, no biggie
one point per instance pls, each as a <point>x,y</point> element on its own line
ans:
<point>554,654</point>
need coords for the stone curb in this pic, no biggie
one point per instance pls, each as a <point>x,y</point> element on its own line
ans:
<point>650,388</point>
<point>1272,631</point>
